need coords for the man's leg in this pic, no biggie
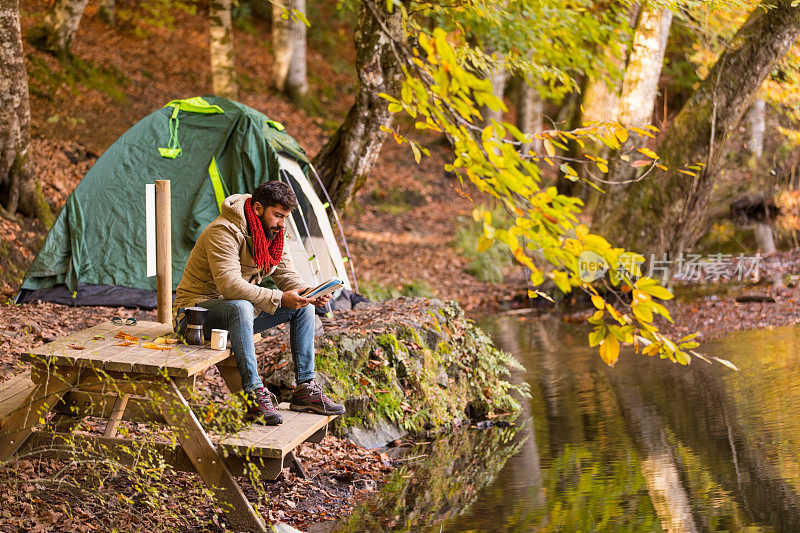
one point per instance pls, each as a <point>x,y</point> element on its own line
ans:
<point>307,396</point>
<point>301,336</point>
<point>236,316</point>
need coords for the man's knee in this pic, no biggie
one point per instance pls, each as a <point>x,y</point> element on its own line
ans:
<point>241,309</point>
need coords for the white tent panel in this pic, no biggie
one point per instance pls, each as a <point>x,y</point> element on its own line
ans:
<point>323,257</point>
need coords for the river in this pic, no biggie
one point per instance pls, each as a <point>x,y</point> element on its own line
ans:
<point>645,446</point>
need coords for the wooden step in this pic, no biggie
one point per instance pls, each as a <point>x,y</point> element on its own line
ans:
<point>14,394</point>
<point>275,442</point>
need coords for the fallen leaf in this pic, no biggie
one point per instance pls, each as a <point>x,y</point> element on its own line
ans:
<point>154,346</point>
<point>76,347</point>
<point>125,336</point>
<point>126,343</point>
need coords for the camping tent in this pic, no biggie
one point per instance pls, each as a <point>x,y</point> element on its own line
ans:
<point>209,147</point>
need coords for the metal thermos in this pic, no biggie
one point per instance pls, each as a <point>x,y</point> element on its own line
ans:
<point>195,318</point>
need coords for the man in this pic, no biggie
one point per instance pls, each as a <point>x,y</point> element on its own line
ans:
<point>244,244</point>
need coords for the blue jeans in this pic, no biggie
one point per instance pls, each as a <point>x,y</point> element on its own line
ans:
<point>236,316</point>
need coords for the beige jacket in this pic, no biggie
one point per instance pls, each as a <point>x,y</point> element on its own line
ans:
<point>222,266</point>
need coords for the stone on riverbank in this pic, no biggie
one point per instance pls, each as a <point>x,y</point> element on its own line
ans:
<point>411,364</point>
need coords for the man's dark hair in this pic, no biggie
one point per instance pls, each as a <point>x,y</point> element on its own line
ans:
<point>275,193</point>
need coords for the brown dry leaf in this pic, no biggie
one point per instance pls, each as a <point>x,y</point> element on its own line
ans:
<point>77,347</point>
<point>154,346</point>
<point>126,336</point>
<point>126,343</point>
<point>171,341</point>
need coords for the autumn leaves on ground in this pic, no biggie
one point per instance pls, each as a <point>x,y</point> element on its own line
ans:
<point>400,231</point>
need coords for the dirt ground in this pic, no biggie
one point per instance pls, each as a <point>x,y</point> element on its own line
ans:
<point>400,229</point>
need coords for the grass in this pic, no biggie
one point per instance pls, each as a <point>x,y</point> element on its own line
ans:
<point>378,292</point>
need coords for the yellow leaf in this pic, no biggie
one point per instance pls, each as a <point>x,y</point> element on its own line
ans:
<point>417,155</point>
<point>548,146</point>
<point>484,243</point>
<point>598,302</point>
<point>609,349</point>
<point>621,134</point>
<point>687,172</point>
<point>602,166</point>
<point>648,152</point>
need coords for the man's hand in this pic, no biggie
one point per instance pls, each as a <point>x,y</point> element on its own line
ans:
<point>292,299</point>
<point>321,300</point>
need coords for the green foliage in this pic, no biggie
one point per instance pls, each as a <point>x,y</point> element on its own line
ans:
<point>395,201</point>
<point>148,14</point>
<point>491,264</point>
<point>443,94</point>
<point>74,73</point>
<point>378,292</point>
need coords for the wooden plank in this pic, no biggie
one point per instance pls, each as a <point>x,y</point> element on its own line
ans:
<point>122,359</point>
<point>40,400</point>
<point>59,351</point>
<point>231,376</point>
<point>206,460</point>
<point>95,352</point>
<point>276,441</point>
<point>192,362</point>
<point>246,442</point>
<point>293,433</point>
<point>13,395</point>
<point>116,415</point>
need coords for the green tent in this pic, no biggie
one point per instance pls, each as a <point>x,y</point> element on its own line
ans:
<point>209,147</point>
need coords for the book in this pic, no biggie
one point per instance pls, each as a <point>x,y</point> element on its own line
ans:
<point>323,289</point>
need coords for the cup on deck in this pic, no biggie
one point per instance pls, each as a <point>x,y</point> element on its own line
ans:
<point>219,339</point>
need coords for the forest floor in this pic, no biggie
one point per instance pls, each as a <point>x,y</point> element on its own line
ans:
<point>401,230</point>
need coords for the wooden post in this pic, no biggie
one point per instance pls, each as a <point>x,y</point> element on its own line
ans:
<point>164,251</point>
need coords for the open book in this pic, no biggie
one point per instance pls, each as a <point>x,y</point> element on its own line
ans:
<point>323,289</point>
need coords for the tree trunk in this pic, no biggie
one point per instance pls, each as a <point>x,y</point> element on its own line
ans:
<point>19,186</point>
<point>108,12</point>
<point>499,77</point>
<point>223,72</point>
<point>55,33</point>
<point>756,127</point>
<point>529,114</point>
<point>289,47</point>
<point>640,85</point>
<point>344,162</point>
<point>666,212</point>
<point>638,98</point>
<point>765,238</point>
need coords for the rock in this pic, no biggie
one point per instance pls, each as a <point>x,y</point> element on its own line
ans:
<point>442,379</point>
<point>383,433</point>
<point>281,527</point>
<point>357,405</point>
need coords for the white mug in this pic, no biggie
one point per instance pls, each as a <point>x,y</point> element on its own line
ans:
<point>219,339</point>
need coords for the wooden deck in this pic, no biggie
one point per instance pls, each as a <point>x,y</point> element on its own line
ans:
<point>97,348</point>
<point>87,373</point>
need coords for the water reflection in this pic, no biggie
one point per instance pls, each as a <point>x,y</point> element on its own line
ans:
<point>645,446</point>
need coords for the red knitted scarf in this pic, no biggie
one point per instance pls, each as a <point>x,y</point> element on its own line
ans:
<point>266,253</point>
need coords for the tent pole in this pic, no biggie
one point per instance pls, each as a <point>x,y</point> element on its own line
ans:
<point>341,230</point>
<point>164,251</point>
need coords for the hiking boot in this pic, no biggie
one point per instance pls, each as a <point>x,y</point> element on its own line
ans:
<point>308,397</point>
<point>261,406</point>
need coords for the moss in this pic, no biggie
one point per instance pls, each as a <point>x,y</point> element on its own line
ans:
<point>407,387</point>
<point>75,73</point>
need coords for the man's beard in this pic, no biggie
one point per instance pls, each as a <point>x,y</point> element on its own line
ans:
<point>271,233</point>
